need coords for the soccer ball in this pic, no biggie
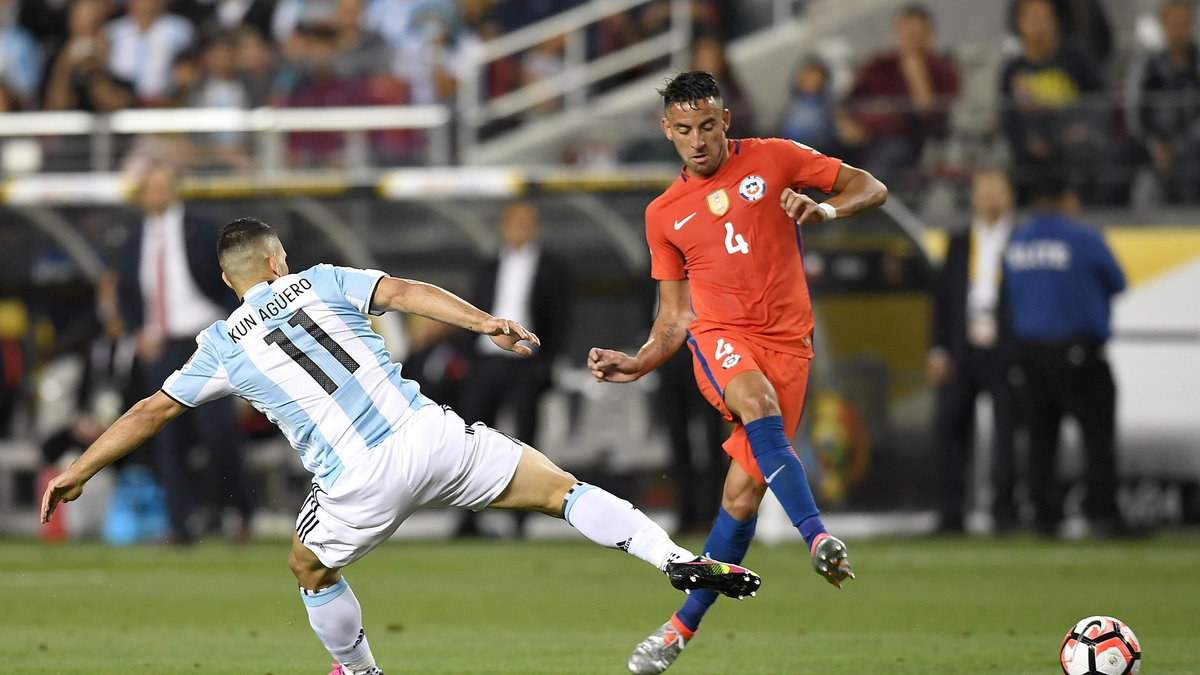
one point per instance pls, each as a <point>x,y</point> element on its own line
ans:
<point>1100,645</point>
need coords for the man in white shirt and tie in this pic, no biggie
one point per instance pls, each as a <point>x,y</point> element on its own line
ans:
<point>532,286</point>
<point>166,296</point>
<point>971,354</point>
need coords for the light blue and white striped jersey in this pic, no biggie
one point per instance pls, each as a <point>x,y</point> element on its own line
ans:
<point>301,350</point>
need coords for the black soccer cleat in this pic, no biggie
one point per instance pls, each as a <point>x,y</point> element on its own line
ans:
<point>725,578</point>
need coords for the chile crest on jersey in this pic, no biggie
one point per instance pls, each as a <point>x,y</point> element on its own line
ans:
<point>752,188</point>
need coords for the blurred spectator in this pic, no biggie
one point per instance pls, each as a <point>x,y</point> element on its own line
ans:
<point>292,14</point>
<point>507,74</point>
<point>169,289</point>
<point>222,87</point>
<point>317,85</point>
<point>143,45</point>
<point>225,16</point>
<point>1060,278</point>
<point>1051,114</point>
<point>79,78</point>
<point>708,54</point>
<point>615,32</point>
<point>316,82</point>
<point>44,19</point>
<point>1164,104</point>
<point>20,61</point>
<point>531,285</point>
<point>544,61</point>
<point>511,15</point>
<point>971,354</point>
<point>811,115</point>
<point>256,65</point>
<point>709,17</point>
<point>360,52</point>
<point>900,99</point>
<point>422,34</point>
<point>186,73</point>
<point>1083,22</point>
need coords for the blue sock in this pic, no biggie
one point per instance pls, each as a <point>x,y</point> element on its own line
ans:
<point>727,542</point>
<point>785,475</point>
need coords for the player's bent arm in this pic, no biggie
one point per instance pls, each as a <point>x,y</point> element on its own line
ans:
<point>428,300</point>
<point>434,302</point>
<point>670,326</point>
<point>667,334</point>
<point>146,418</point>
<point>857,190</point>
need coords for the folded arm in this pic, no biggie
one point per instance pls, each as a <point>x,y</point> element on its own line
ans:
<point>857,190</point>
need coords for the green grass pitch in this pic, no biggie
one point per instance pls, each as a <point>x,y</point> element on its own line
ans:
<point>918,606</point>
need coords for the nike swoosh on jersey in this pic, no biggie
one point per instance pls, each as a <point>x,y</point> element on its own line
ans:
<point>773,474</point>
<point>681,223</point>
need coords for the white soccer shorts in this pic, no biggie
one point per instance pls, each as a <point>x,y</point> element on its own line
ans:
<point>435,459</point>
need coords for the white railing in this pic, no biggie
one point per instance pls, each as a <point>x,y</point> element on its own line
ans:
<point>580,71</point>
<point>268,125</point>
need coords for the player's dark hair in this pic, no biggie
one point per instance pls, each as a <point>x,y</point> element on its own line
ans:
<point>239,234</point>
<point>694,85</point>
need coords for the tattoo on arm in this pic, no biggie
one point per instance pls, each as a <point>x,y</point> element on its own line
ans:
<point>856,205</point>
<point>668,337</point>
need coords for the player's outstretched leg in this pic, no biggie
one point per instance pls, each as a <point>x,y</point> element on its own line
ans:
<point>333,612</point>
<point>540,485</point>
<point>613,522</point>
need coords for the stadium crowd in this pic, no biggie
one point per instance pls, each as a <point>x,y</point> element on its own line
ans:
<point>1123,122</point>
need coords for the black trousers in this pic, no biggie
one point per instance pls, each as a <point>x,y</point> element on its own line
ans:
<point>496,383</point>
<point>1069,379</point>
<point>979,371</point>
<point>697,474</point>
<point>213,425</point>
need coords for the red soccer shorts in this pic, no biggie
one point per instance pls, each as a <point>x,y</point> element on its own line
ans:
<point>719,355</point>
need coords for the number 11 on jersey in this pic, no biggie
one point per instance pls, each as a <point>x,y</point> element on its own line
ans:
<point>302,320</point>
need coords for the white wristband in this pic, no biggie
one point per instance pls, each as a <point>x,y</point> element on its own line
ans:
<point>827,211</point>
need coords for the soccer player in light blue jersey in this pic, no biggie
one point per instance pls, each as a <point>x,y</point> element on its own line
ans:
<point>300,348</point>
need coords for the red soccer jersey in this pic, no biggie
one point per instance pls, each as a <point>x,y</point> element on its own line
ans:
<point>727,235</point>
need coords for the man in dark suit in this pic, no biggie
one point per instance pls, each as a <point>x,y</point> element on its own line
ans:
<point>169,289</point>
<point>529,284</point>
<point>971,354</point>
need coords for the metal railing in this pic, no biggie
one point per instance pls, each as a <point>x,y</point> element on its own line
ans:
<point>580,72</point>
<point>269,127</point>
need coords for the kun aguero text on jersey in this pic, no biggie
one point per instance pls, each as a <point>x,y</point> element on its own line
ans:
<point>274,307</point>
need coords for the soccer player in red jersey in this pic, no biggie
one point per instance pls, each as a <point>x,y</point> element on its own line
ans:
<point>725,248</point>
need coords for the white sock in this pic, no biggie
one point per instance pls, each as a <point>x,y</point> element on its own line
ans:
<point>615,523</point>
<point>336,617</point>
